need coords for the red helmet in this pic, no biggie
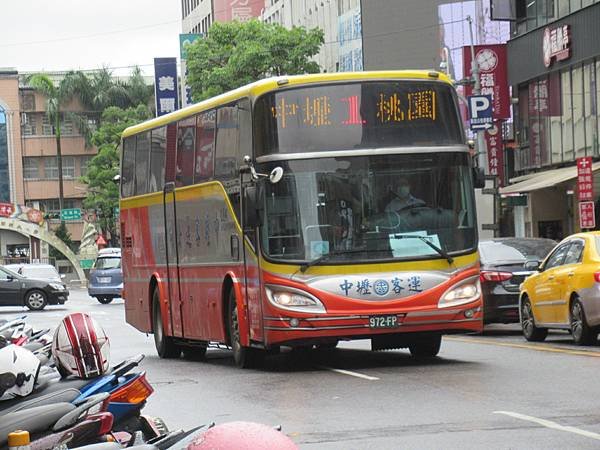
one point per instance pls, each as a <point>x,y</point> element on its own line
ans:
<point>80,347</point>
<point>242,435</point>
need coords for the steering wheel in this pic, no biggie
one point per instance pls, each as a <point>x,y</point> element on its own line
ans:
<point>387,221</point>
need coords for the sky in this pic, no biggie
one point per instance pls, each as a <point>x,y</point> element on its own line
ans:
<point>50,35</point>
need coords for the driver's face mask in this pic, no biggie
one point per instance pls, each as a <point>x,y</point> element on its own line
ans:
<point>404,191</point>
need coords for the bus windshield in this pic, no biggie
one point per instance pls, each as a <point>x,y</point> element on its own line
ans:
<point>357,115</point>
<point>368,208</point>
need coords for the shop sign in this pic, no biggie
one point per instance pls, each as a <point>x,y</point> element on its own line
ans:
<point>493,77</point>
<point>556,44</point>
<point>493,140</point>
<point>585,179</point>
<point>166,91</point>
<point>587,215</point>
<point>240,10</point>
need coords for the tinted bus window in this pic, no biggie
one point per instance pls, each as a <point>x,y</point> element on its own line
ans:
<point>357,115</point>
<point>186,142</point>
<point>127,167</point>
<point>205,146</point>
<point>227,147</point>
<point>142,162</point>
<point>158,150</point>
<point>245,119</point>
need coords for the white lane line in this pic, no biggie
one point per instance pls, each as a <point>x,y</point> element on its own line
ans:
<point>352,374</point>
<point>550,424</point>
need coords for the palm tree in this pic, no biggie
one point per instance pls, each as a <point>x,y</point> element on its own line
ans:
<point>56,97</point>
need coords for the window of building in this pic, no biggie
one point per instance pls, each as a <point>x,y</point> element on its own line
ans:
<point>205,146</point>
<point>31,170</point>
<point>186,143</point>
<point>50,168</point>
<point>68,167</point>
<point>28,124</point>
<point>591,109</point>
<point>66,127</point>
<point>578,111</point>
<point>158,150</point>
<point>567,116</point>
<point>554,109</point>
<point>84,161</point>
<point>28,101</point>
<point>47,128</point>
<point>142,163</point>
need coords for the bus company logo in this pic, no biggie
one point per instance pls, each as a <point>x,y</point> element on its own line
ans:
<point>381,287</point>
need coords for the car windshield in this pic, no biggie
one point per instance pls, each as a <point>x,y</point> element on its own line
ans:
<point>514,251</point>
<point>113,262</point>
<point>39,272</point>
<point>363,208</point>
<point>7,271</point>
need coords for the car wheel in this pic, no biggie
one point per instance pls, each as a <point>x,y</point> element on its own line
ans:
<point>426,346</point>
<point>165,346</point>
<point>244,357</point>
<point>582,333</point>
<point>105,300</point>
<point>530,331</point>
<point>35,300</point>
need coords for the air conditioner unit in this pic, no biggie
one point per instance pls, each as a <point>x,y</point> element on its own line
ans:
<point>24,120</point>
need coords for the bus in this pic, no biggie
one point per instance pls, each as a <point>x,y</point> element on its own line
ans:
<point>301,211</point>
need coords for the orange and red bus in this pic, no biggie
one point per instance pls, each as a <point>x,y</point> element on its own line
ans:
<point>301,211</point>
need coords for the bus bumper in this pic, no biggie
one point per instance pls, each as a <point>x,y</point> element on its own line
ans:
<point>296,329</point>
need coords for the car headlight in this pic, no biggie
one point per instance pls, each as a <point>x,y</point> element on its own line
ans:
<point>293,299</point>
<point>466,292</point>
<point>57,287</point>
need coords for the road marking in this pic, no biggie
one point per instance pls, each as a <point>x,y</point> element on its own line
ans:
<point>539,348</point>
<point>352,374</point>
<point>550,424</point>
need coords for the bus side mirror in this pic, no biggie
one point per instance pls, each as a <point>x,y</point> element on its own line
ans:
<point>478,178</point>
<point>250,205</point>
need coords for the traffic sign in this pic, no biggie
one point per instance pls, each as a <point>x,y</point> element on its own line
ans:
<point>70,214</point>
<point>481,112</point>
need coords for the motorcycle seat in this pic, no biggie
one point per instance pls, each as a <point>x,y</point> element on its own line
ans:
<point>35,420</point>
<point>64,396</point>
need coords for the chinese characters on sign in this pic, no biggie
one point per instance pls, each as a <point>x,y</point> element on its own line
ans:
<point>390,108</point>
<point>366,287</point>
<point>493,138</point>
<point>493,77</point>
<point>585,179</point>
<point>556,44</point>
<point>165,82</point>
<point>241,10</point>
<point>587,216</point>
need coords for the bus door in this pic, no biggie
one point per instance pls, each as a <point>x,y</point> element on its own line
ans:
<point>170,209</point>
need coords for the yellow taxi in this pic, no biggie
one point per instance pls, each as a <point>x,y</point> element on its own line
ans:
<point>565,291</point>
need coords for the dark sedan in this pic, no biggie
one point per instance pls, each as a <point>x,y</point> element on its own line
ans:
<point>505,263</point>
<point>16,290</point>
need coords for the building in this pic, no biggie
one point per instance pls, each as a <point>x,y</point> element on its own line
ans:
<point>558,118</point>
<point>28,161</point>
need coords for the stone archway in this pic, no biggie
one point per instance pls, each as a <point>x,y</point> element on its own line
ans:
<point>31,229</point>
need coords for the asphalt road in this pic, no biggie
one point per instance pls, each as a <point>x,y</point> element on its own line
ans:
<point>490,391</point>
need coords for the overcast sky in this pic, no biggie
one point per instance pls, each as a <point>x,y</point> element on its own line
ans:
<point>88,34</point>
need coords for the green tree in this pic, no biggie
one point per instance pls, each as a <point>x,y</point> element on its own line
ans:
<point>63,234</point>
<point>103,193</point>
<point>57,96</point>
<point>238,53</point>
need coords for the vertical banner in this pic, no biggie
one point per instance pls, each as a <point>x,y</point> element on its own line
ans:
<point>186,92</point>
<point>165,85</point>
<point>241,10</point>
<point>493,76</point>
<point>495,149</point>
<point>585,179</point>
<point>587,215</point>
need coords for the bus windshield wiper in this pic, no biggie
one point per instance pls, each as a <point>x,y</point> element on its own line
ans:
<point>318,260</point>
<point>440,251</point>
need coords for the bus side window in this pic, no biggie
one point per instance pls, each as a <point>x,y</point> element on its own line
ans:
<point>245,119</point>
<point>205,146</point>
<point>171,158</point>
<point>227,143</point>
<point>186,142</point>
<point>127,167</point>
<point>158,150</point>
<point>142,161</point>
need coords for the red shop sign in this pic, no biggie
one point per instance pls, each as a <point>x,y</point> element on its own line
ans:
<point>585,179</point>
<point>587,215</point>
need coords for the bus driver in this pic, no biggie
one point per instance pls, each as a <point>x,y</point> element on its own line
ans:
<point>402,198</point>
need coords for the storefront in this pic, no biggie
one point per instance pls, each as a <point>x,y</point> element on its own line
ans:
<point>555,73</point>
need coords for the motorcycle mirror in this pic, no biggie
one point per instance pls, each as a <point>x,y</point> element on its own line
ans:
<point>276,175</point>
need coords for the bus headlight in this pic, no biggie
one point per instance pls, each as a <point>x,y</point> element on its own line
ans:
<point>293,299</point>
<point>466,292</point>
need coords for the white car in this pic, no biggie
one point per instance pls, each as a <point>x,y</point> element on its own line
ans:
<point>45,272</point>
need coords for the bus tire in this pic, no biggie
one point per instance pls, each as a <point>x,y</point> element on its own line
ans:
<point>165,346</point>
<point>244,357</point>
<point>426,346</point>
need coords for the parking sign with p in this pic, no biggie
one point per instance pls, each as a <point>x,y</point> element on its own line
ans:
<point>481,112</point>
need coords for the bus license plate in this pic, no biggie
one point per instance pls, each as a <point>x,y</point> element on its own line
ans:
<point>383,321</point>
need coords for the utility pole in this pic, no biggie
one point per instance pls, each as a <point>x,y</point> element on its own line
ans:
<point>481,147</point>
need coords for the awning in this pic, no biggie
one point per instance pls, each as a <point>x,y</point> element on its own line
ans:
<point>544,179</point>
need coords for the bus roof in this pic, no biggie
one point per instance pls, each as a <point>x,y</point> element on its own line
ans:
<point>271,84</point>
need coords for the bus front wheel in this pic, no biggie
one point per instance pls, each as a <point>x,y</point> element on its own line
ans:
<point>426,346</point>
<point>244,357</point>
<point>165,346</point>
